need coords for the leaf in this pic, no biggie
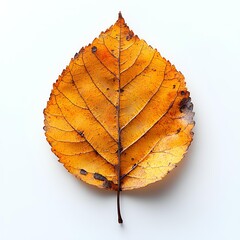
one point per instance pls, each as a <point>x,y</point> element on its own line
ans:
<point>119,116</point>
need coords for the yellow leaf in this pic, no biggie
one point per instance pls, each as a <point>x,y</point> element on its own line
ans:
<point>119,117</point>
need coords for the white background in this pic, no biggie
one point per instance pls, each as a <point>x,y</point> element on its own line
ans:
<point>40,200</point>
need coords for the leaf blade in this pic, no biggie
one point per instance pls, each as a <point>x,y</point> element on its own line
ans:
<point>122,101</point>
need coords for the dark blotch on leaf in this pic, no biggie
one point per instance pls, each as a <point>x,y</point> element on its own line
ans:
<point>120,90</point>
<point>99,177</point>
<point>178,131</point>
<point>81,133</point>
<point>129,36</point>
<point>134,166</point>
<point>76,55</point>
<point>107,184</point>
<point>186,105</point>
<point>94,49</point>
<point>83,172</point>
<point>96,152</point>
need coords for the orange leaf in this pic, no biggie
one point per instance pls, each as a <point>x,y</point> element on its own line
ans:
<point>119,117</point>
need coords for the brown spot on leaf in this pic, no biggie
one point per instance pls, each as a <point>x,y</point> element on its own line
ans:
<point>130,35</point>
<point>94,49</point>
<point>83,172</point>
<point>81,133</point>
<point>178,131</point>
<point>76,55</point>
<point>107,184</point>
<point>120,90</point>
<point>134,166</point>
<point>186,105</point>
<point>99,177</point>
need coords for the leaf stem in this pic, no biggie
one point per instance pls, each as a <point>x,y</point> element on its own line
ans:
<point>119,176</point>
<point>119,152</point>
<point>118,206</point>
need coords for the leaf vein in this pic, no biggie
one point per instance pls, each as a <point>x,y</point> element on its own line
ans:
<point>78,133</point>
<point>134,62</point>
<point>90,110</point>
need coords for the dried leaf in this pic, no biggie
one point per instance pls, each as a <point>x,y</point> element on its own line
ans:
<point>119,116</point>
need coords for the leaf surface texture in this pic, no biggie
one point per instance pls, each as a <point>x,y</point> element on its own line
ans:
<point>120,114</point>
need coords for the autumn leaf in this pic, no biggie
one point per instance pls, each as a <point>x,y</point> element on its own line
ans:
<point>119,116</point>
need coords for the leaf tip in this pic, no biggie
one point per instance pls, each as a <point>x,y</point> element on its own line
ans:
<point>120,15</point>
